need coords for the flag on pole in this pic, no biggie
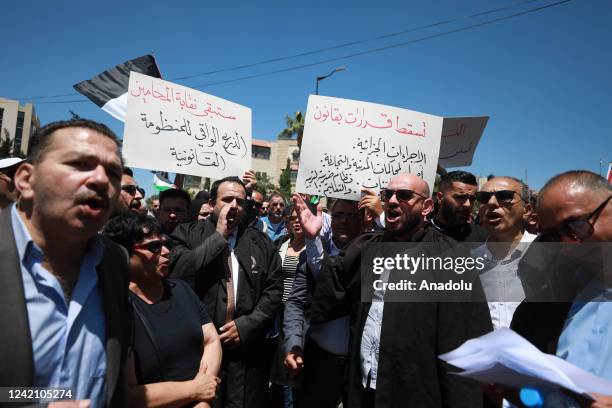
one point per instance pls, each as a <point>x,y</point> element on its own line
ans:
<point>610,173</point>
<point>109,89</point>
<point>161,183</point>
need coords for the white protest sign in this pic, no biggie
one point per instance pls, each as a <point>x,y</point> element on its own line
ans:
<point>460,136</point>
<point>350,144</point>
<point>169,127</point>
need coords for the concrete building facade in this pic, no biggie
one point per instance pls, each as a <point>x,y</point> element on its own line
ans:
<point>267,158</point>
<point>18,123</point>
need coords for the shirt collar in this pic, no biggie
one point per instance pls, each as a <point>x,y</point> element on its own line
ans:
<point>526,239</point>
<point>26,246</point>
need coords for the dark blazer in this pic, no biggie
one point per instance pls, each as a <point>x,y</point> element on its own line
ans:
<point>199,258</point>
<point>412,336</point>
<point>16,358</point>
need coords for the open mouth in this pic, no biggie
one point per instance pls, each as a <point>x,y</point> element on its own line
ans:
<point>392,215</point>
<point>493,217</point>
<point>94,206</point>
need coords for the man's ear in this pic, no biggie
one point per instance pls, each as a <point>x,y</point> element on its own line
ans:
<point>24,181</point>
<point>428,206</point>
<point>439,195</point>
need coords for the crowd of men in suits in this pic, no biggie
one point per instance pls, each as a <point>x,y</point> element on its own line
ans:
<point>67,321</point>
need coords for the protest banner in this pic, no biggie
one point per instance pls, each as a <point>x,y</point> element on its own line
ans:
<point>173,128</point>
<point>349,145</point>
<point>460,136</point>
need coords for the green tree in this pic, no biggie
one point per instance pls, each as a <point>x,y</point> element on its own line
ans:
<point>284,181</point>
<point>7,149</point>
<point>264,184</point>
<point>295,128</point>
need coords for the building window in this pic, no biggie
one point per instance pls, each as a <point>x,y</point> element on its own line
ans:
<point>260,152</point>
<point>19,131</point>
<point>1,117</point>
<point>294,176</point>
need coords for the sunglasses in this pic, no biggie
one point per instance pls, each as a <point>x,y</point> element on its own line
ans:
<point>401,195</point>
<point>155,246</point>
<point>577,229</point>
<point>502,196</point>
<point>130,189</point>
<point>255,204</point>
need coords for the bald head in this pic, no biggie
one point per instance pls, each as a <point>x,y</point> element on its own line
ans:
<point>574,195</point>
<point>409,182</point>
<point>405,212</point>
<point>577,182</point>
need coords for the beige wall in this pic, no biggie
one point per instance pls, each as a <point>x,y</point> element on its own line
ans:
<point>9,121</point>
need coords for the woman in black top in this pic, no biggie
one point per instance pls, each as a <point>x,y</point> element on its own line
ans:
<point>176,351</point>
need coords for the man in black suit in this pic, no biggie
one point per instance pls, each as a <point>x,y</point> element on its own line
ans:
<point>63,289</point>
<point>235,270</point>
<point>394,346</point>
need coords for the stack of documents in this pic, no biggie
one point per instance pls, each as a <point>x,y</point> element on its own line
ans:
<point>503,357</point>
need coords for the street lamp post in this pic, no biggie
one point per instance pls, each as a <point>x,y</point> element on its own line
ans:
<point>320,78</point>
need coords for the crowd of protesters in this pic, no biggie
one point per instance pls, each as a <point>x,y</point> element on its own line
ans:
<point>234,299</point>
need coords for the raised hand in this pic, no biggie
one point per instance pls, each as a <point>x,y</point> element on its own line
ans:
<point>311,223</point>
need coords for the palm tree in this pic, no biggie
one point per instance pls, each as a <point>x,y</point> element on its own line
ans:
<point>295,127</point>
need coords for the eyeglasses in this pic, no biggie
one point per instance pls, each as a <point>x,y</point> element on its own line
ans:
<point>155,246</point>
<point>401,194</point>
<point>502,196</point>
<point>576,229</point>
<point>255,204</point>
<point>130,189</point>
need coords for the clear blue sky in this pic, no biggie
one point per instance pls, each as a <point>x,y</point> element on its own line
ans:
<point>545,78</point>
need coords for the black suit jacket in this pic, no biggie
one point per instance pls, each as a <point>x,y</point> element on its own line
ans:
<point>412,336</point>
<point>16,358</point>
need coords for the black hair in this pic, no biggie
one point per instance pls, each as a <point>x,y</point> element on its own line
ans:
<point>41,139</point>
<point>215,187</point>
<point>174,193</point>
<point>127,171</point>
<point>203,195</point>
<point>446,181</point>
<point>130,229</point>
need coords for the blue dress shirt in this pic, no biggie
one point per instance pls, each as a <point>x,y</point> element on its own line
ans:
<point>586,339</point>
<point>68,340</point>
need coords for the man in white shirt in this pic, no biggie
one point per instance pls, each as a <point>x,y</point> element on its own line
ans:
<point>504,201</point>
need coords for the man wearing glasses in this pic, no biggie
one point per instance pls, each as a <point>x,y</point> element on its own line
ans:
<point>504,201</point>
<point>173,206</point>
<point>394,351</point>
<point>130,197</point>
<point>574,207</point>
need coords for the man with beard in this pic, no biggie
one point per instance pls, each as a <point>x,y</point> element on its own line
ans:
<point>456,198</point>
<point>275,225</point>
<point>236,271</point>
<point>173,209</point>
<point>574,207</point>
<point>130,197</point>
<point>394,346</point>
<point>63,287</point>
